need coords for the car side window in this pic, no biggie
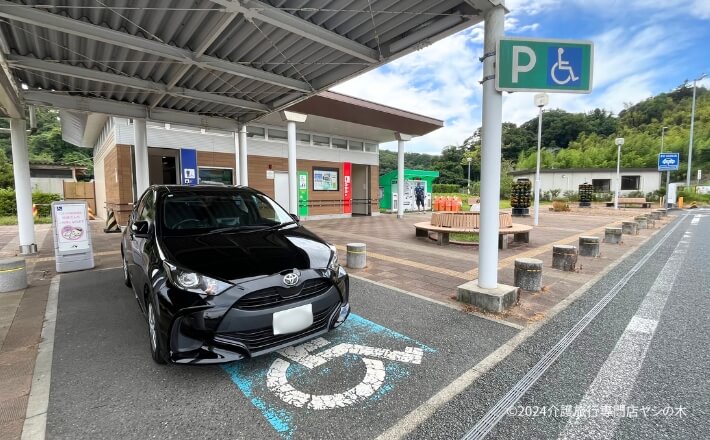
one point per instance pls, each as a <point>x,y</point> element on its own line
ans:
<point>146,209</point>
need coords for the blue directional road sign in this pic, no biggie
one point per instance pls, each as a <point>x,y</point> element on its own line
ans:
<point>668,161</point>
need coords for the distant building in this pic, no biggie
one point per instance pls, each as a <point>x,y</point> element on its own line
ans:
<point>50,177</point>
<point>644,180</point>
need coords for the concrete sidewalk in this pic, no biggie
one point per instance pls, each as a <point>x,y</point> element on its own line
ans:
<point>22,314</point>
<point>395,259</point>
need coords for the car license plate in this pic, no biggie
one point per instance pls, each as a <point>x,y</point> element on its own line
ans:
<point>293,320</point>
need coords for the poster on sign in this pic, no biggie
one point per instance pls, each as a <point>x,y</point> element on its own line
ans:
<point>72,227</point>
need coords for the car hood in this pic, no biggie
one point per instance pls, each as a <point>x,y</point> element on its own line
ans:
<point>232,256</point>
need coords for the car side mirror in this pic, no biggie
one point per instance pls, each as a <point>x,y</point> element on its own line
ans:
<point>141,229</point>
<point>295,218</point>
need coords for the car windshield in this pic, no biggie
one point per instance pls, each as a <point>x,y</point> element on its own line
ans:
<point>237,211</point>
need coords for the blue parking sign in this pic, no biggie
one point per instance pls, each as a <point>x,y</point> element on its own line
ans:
<point>668,161</point>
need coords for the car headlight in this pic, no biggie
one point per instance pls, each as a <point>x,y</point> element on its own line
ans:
<point>334,264</point>
<point>194,282</point>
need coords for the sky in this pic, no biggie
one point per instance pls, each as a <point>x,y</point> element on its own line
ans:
<point>641,48</point>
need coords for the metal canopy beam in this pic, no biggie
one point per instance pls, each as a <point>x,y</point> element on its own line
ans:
<point>284,20</point>
<point>128,81</point>
<point>56,22</point>
<point>126,110</point>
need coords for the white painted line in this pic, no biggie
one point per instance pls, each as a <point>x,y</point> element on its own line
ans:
<point>616,378</point>
<point>36,416</point>
<point>427,409</point>
<point>695,220</point>
<point>436,301</point>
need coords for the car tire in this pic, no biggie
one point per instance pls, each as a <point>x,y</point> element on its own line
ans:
<point>126,276</point>
<point>157,347</point>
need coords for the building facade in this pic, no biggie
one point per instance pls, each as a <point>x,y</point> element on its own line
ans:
<point>337,156</point>
<point>643,180</point>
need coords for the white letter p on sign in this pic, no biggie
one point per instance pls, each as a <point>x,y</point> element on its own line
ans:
<point>517,68</point>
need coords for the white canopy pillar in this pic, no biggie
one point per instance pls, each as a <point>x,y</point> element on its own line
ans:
<point>490,154</point>
<point>243,164</point>
<point>291,118</point>
<point>401,139</point>
<point>140,156</point>
<point>23,187</point>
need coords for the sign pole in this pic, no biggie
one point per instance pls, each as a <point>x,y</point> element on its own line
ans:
<point>490,154</point>
<point>540,102</point>
<point>619,142</point>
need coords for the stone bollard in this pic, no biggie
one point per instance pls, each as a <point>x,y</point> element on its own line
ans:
<point>642,222</point>
<point>654,215</point>
<point>13,274</point>
<point>612,235</point>
<point>663,212</point>
<point>629,228</point>
<point>589,246</point>
<point>528,274</point>
<point>356,255</point>
<point>564,257</point>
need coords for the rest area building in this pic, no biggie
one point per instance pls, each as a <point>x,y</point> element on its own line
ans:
<point>337,155</point>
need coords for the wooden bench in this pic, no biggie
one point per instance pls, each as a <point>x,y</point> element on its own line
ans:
<point>520,233</point>
<point>631,201</point>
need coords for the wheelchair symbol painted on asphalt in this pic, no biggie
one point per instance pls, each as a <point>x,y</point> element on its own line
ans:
<point>277,380</point>
<point>344,370</point>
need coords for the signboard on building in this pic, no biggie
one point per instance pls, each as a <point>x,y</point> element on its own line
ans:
<point>347,188</point>
<point>72,236</point>
<point>188,166</point>
<point>325,179</point>
<point>302,194</point>
<point>537,65</point>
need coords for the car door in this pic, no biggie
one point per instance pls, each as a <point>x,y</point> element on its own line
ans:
<point>139,269</point>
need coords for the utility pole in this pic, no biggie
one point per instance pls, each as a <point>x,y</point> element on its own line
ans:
<point>692,125</point>
<point>541,100</point>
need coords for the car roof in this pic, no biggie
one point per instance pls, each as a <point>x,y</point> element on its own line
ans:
<point>203,189</point>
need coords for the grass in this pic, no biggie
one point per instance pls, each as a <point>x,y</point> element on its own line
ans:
<point>7,220</point>
<point>466,238</point>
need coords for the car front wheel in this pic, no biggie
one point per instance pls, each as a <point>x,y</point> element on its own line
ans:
<point>126,277</point>
<point>157,349</point>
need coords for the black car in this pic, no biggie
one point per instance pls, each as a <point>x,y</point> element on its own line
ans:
<point>224,273</point>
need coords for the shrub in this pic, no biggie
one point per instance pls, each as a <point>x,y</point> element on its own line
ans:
<point>8,204</point>
<point>445,188</point>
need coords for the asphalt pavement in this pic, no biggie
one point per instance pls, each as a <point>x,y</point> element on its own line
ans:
<point>105,385</point>
<point>638,369</point>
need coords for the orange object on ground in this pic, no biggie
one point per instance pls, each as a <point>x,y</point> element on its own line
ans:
<point>448,204</point>
<point>91,214</point>
<point>35,212</point>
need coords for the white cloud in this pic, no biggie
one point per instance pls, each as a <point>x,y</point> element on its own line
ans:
<point>634,53</point>
<point>440,81</point>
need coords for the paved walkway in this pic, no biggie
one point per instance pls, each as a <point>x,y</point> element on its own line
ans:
<point>395,258</point>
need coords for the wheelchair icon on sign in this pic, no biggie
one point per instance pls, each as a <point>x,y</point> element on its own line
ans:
<point>560,67</point>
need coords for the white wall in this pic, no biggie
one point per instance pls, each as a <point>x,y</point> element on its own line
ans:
<point>567,180</point>
<point>223,142</point>
<point>49,184</point>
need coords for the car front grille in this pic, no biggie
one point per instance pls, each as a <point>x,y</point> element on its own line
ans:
<point>277,296</point>
<point>264,338</point>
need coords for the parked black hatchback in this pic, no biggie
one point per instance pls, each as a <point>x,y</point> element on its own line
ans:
<point>223,273</point>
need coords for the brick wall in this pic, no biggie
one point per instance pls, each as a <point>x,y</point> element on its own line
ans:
<point>118,175</point>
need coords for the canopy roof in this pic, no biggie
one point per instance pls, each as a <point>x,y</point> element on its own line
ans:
<point>210,63</point>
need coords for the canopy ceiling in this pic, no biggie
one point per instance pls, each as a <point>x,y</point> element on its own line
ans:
<point>210,63</point>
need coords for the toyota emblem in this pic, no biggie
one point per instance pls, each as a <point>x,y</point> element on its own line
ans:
<point>291,279</point>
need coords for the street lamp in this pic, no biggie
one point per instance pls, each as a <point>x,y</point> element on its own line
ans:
<point>541,100</point>
<point>619,142</point>
<point>468,190</point>
<point>692,124</point>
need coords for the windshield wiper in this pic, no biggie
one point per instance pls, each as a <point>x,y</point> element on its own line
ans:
<point>235,229</point>
<point>279,226</point>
